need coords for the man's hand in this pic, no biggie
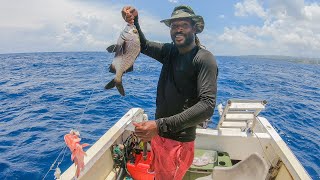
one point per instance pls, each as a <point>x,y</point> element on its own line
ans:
<point>129,13</point>
<point>146,130</point>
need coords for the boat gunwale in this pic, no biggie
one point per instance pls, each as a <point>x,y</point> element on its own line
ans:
<point>290,161</point>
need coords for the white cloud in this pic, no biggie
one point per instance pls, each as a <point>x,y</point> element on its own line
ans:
<point>249,7</point>
<point>221,16</point>
<point>62,25</point>
<point>290,28</point>
<point>240,36</point>
<point>174,1</point>
<point>293,8</point>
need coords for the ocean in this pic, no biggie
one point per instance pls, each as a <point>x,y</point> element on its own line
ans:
<point>45,95</point>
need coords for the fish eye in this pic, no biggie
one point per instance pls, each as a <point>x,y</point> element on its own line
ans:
<point>135,31</point>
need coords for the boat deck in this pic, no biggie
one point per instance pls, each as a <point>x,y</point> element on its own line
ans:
<point>240,143</point>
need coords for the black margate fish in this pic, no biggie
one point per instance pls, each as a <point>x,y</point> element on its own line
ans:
<point>126,51</point>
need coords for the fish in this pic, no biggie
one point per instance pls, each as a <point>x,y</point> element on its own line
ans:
<point>72,140</point>
<point>126,52</point>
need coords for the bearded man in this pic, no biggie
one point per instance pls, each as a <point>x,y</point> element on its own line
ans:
<point>186,92</point>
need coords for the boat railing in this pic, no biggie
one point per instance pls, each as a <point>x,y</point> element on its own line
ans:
<point>240,114</point>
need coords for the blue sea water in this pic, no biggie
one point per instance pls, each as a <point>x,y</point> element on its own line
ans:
<point>45,95</point>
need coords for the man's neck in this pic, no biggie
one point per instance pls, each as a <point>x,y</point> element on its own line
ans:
<point>184,50</point>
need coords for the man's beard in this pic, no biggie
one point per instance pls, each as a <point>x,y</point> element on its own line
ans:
<point>188,39</point>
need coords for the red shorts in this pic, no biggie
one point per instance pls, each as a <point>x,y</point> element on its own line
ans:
<point>171,159</point>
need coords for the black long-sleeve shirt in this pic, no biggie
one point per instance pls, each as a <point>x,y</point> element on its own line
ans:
<point>187,88</point>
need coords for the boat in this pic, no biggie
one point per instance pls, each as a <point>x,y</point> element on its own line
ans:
<point>244,145</point>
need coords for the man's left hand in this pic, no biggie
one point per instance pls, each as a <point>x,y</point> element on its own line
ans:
<point>146,130</point>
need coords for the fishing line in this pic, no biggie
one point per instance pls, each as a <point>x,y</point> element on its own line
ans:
<point>79,121</point>
<point>263,148</point>
<point>77,127</point>
<point>254,91</point>
<point>101,74</point>
<point>271,98</point>
<point>51,167</point>
<point>20,141</point>
<point>29,102</point>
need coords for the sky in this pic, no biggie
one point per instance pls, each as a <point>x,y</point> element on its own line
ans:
<point>233,27</point>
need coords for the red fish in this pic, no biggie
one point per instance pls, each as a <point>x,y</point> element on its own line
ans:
<point>73,142</point>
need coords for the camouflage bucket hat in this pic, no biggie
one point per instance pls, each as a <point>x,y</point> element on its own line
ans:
<point>186,12</point>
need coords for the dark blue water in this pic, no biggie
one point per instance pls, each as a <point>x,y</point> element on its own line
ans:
<point>44,95</point>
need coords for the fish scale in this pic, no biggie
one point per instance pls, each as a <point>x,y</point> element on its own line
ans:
<point>126,51</point>
<point>130,56</point>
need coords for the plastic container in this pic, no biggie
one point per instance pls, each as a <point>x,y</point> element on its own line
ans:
<point>139,170</point>
<point>224,159</point>
<point>213,159</point>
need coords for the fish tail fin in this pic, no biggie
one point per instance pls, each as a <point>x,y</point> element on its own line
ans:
<point>111,84</point>
<point>119,86</point>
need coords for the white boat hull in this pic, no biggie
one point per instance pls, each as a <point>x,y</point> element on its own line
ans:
<point>265,141</point>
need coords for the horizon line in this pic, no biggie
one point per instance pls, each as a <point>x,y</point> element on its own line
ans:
<point>269,55</point>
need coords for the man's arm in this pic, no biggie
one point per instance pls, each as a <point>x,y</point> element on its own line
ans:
<point>155,50</point>
<point>207,89</point>
<point>152,49</point>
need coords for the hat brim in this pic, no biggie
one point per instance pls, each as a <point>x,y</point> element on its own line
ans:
<point>199,22</point>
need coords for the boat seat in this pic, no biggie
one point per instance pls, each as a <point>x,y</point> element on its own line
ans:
<point>253,167</point>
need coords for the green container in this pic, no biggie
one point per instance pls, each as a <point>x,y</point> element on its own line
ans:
<point>224,159</point>
<point>195,172</point>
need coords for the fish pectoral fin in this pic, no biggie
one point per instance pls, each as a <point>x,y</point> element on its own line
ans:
<point>130,69</point>
<point>113,48</point>
<point>110,85</point>
<point>112,69</point>
<point>122,48</point>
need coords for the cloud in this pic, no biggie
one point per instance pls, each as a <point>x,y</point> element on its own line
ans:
<point>293,8</point>
<point>63,25</point>
<point>289,28</point>
<point>241,37</point>
<point>221,16</point>
<point>249,7</point>
<point>174,1</point>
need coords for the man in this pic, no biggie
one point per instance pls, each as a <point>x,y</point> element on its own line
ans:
<point>186,92</point>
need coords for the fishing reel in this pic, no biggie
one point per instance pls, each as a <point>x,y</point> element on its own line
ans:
<point>123,153</point>
<point>118,154</point>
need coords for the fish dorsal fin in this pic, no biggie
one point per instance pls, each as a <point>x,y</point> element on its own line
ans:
<point>113,48</point>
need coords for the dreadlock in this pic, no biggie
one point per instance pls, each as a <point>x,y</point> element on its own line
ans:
<point>197,41</point>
